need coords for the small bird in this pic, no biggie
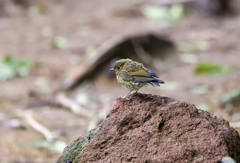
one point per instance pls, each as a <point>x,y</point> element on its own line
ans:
<point>133,75</point>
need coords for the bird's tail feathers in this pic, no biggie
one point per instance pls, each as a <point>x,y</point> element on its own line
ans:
<point>156,83</point>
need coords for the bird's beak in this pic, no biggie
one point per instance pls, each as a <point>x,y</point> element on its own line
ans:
<point>111,69</point>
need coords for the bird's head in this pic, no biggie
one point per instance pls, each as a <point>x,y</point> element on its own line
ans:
<point>119,65</point>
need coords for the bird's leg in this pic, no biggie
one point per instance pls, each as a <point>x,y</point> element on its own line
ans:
<point>127,95</point>
<point>135,91</point>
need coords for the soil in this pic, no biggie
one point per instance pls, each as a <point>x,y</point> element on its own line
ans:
<point>86,25</point>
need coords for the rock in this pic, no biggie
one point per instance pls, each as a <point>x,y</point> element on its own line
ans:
<point>152,129</point>
<point>75,148</point>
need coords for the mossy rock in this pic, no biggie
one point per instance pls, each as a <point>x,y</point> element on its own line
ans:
<point>75,148</point>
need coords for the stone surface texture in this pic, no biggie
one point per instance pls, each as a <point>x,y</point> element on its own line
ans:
<point>146,128</point>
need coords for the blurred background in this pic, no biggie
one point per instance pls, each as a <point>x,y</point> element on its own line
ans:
<point>55,57</point>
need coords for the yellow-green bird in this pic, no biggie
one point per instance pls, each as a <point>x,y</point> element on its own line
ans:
<point>133,75</point>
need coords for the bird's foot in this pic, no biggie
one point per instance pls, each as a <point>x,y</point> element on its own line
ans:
<point>125,97</point>
<point>134,93</point>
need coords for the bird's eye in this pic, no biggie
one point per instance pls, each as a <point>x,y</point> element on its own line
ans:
<point>118,68</point>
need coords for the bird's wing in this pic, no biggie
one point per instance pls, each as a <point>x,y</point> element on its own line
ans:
<point>127,77</point>
<point>144,79</point>
<point>145,73</point>
<point>152,72</point>
<point>140,76</point>
<point>137,75</point>
<point>142,73</point>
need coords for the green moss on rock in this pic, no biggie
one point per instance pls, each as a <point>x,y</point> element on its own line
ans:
<point>227,123</point>
<point>75,148</point>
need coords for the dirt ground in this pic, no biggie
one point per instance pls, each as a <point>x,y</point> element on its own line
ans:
<point>86,25</point>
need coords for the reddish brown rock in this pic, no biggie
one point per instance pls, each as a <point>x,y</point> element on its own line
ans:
<point>151,129</point>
